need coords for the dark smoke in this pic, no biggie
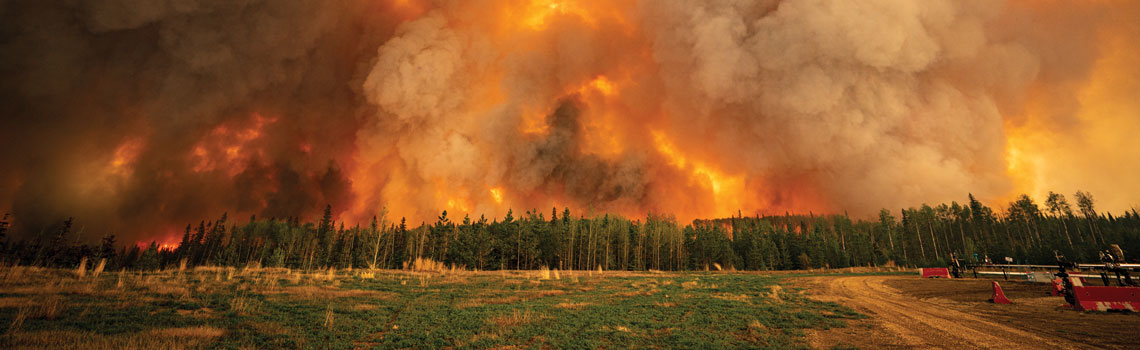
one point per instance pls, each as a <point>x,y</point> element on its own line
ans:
<point>83,77</point>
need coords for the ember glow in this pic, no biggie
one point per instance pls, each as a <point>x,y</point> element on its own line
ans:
<point>139,120</point>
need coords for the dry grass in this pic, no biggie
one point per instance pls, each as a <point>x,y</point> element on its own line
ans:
<point>425,265</point>
<point>48,308</point>
<point>546,293</point>
<point>188,332</point>
<point>81,271</point>
<point>14,301</point>
<point>690,285</point>
<point>572,305</point>
<point>475,302</point>
<point>243,305</point>
<point>732,297</point>
<point>515,318</point>
<point>67,340</point>
<point>775,293</point>
<point>635,293</point>
<point>326,292</point>
<point>99,268</point>
<point>199,313</point>
<point>156,284</point>
<point>329,315</point>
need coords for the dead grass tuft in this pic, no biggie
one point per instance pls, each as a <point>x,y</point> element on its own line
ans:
<point>732,297</point>
<point>573,305</point>
<point>199,313</point>
<point>99,268</point>
<point>14,301</point>
<point>48,308</point>
<point>329,318</point>
<point>243,305</point>
<point>425,265</point>
<point>189,332</point>
<point>475,302</point>
<point>515,318</point>
<point>635,293</point>
<point>775,293</point>
<point>325,292</point>
<point>546,293</point>
<point>61,339</point>
<point>81,271</point>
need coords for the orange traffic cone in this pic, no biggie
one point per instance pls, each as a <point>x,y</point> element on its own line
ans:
<point>999,296</point>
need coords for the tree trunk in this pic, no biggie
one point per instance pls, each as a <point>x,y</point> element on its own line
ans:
<point>930,228</point>
<point>918,234</point>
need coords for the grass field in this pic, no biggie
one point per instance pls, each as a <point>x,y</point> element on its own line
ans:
<point>279,308</point>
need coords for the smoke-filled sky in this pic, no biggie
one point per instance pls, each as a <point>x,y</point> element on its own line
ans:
<point>138,117</point>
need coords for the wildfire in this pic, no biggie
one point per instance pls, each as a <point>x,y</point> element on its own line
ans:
<point>125,155</point>
<point>497,195</point>
<point>539,11</point>
<point>727,190</point>
<point>229,147</point>
<point>603,84</point>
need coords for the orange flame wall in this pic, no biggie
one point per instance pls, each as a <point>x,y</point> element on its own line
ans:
<point>140,121</point>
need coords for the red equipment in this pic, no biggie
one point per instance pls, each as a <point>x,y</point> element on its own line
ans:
<point>935,272</point>
<point>1096,298</point>
<point>999,296</point>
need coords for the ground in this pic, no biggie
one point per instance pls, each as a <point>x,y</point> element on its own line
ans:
<point>909,312</point>
<point>254,307</point>
<point>279,308</point>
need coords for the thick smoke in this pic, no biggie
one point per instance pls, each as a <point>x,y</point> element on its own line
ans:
<point>138,117</point>
<point>824,105</point>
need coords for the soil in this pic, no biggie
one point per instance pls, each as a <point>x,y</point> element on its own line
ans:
<point>907,312</point>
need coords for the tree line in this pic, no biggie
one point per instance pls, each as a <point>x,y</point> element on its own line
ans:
<point>917,236</point>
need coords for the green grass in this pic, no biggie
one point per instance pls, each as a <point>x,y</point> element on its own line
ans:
<point>427,311</point>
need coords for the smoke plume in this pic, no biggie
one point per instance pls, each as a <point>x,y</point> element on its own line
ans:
<point>139,117</point>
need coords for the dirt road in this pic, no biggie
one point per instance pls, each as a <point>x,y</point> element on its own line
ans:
<point>902,321</point>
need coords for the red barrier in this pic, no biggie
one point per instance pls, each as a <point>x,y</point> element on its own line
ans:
<point>935,272</point>
<point>999,296</point>
<point>1095,298</point>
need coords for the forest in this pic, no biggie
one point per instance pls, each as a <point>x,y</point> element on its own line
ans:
<point>918,236</point>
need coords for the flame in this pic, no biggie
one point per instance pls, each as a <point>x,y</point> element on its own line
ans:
<point>126,154</point>
<point>538,12</point>
<point>1070,153</point>
<point>497,195</point>
<point>230,149</point>
<point>603,85</point>
<point>727,190</point>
